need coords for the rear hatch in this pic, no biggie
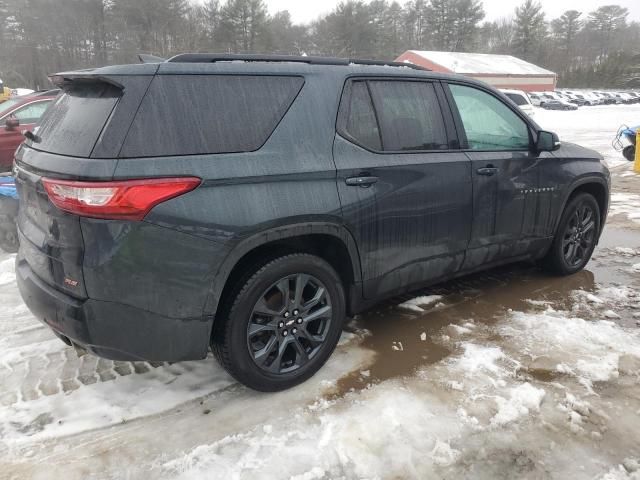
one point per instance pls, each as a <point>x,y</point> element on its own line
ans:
<point>78,138</point>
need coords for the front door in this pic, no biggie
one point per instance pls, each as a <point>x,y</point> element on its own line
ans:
<point>405,189</point>
<point>505,170</point>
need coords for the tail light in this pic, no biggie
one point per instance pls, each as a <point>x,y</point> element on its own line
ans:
<point>122,200</point>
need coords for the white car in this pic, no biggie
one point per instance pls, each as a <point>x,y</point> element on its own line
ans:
<point>521,99</point>
<point>535,99</point>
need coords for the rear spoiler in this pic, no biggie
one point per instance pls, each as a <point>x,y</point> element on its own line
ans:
<point>64,80</point>
<point>146,58</point>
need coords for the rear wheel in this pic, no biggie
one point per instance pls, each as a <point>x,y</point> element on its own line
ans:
<point>576,236</point>
<point>282,324</point>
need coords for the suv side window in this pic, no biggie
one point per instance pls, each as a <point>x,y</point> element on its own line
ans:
<point>410,116</point>
<point>208,114</point>
<point>360,123</point>
<point>488,123</point>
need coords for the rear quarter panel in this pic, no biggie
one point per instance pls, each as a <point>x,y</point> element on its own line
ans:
<point>290,180</point>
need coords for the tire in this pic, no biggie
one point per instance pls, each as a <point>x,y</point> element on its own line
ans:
<point>581,241</point>
<point>249,338</point>
<point>629,152</point>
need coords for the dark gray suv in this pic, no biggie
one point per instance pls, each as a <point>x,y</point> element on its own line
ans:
<point>251,205</point>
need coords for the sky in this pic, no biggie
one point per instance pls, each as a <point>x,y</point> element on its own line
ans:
<point>303,11</point>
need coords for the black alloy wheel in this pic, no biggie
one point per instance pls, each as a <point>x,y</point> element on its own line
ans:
<point>289,323</point>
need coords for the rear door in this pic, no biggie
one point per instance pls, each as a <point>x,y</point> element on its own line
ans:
<point>404,186</point>
<point>497,140</point>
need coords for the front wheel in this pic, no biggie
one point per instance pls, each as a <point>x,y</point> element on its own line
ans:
<point>576,236</point>
<point>282,323</point>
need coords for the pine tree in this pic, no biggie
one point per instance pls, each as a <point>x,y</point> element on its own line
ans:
<point>606,22</point>
<point>467,15</point>
<point>530,30</point>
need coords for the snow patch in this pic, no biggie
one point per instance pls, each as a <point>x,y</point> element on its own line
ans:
<point>522,400</point>
<point>416,304</point>
<point>7,270</point>
<point>589,350</point>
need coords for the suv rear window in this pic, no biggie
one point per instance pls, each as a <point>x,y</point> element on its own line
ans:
<point>204,114</point>
<point>72,125</point>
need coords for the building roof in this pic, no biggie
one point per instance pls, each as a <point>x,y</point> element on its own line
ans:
<point>481,63</point>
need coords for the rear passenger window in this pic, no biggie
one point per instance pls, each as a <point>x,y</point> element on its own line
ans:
<point>361,124</point>
<point>200,114</point>
<point>409,115</point>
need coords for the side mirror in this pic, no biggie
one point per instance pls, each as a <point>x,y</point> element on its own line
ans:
<point>547,141</point>
<point>12,123</point>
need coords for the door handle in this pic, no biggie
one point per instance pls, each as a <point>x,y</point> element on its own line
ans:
<point>488,170</point>
<point>364,181</point>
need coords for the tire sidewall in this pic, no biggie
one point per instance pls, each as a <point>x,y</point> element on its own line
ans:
<point>244,367</point>
<point>566,215</point>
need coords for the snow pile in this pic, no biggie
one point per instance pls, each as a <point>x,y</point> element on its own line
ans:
<point>523,400</point>
<point>587,350</point>
<point>409,438</point>
<point>416,304</point>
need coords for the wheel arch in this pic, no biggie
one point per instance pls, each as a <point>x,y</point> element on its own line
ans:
<point>596,186</point>
<point>331,242</point>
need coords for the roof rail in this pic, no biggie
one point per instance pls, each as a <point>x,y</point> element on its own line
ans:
<point>313,60</point>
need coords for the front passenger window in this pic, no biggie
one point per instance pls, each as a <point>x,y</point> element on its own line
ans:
<point>488,122</point>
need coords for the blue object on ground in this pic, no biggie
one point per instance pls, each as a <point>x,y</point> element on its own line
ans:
<point>8,187</point>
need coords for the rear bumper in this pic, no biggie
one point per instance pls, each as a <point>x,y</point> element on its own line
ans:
<point>112,330</point>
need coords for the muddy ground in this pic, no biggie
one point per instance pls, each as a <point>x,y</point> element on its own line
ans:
<point>510,373</point>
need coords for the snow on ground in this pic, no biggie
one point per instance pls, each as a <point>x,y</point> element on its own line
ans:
<point>416,304</point>
<point>627,204</point>
<point>484,411</point>
<point>593,127</point>
<point>544,384</point>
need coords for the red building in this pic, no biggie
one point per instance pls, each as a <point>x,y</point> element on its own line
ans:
<point>501,71</point>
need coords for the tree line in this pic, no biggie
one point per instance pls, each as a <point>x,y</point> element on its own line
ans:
<point>600,48</point>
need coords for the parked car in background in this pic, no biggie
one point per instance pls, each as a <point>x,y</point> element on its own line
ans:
<point>535,99</point>
<point>558,105</point>
<point>169,207</point>
<point>17,115</point>
<point>521,99</point>
<point>574,98</point>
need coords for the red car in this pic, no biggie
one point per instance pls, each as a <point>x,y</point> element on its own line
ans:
<point>17,115</point>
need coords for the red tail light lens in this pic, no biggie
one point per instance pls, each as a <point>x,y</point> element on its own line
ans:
<point>123,200</point>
